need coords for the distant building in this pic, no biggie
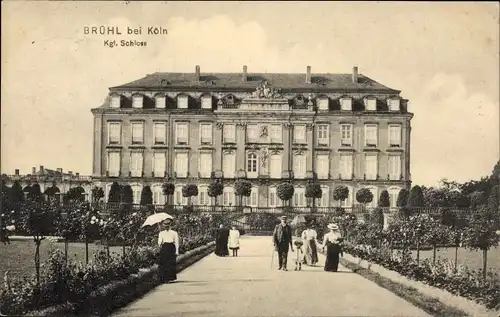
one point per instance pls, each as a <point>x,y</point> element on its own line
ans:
<point>266,127</point>
<point>45,178</point>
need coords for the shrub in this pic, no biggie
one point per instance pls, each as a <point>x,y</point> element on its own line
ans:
<point>313,190</point>
<point>146,196</point>
<point>340,193</point>
<point>364,196</point>
<point>215,189</point>
<point>384,201</point>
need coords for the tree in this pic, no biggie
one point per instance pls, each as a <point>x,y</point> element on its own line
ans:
<point>97,194</point>
<point>313,191</point>
<point>168,191</point>
<point>215,189</point>
<point>435,233</point>
<point>476,198</point>
<point>340,193</point>
<point>285,191</point>
<point>416,197</point>
<point>188,191</point>
<point>35,193</point>
<point>127,194</point>
<point>242,188</point>
<point>384,200</point>
<point>434,197</point>
<point>364,196</point>
<point>76,194</point>
<point>493,200</point>
<point>146,196</point>
<point>402,202</point>
<point>52,190</point>
<point>480,234</point>
<point>69,226</point>
<point>114,193</point>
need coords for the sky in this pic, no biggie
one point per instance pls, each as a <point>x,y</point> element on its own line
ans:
<point>444,57</point>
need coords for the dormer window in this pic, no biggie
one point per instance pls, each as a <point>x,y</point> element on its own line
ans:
<point>160,101</point>
<point>115,101</point>
<point>370,104</point>
<point>206,102</point>
<point>182,102</point>
<point>346,104</point>
<point>230,99</point>
<point>137,101</point>
<point>323,103</point>
<point>394,104</point>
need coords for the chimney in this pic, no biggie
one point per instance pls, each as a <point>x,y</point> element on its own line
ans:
<point>33,170</point>
<point>308,75</point>
<point>197,73</point>
<point>355,74</point>
<point>77,175</point>
<point>16,171</point>
<point>244,73</point>
<point>59,170</point>
<point>42,170</point>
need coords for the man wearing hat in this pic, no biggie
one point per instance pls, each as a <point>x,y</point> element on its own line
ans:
<point>282,237</point>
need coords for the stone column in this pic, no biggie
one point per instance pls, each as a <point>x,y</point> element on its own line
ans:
<point>240,143</point>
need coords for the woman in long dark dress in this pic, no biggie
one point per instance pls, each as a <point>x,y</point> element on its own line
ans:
<point>221,240</point>
<point>332,242</point>
<point>168,240</point>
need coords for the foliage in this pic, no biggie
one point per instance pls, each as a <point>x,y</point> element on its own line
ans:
<point>481,231</point>
<point>285,191</point>
<point>75,194</point>
<point>114,193</point>
<point>97,193</point>
<point>146,196</point>
<point>402,200</point>
<point>364,196</point>
<point>168,189</point>
<point>384,200</point>
<point>313,190</point>
<point>416,197</point>
<point>127,195</point>
<point>35,193</point>
<point>377,217</point>
<point>215,189</point>
<point>243,188</point>
<point>189,190</point>
<point>340,193</point>
<point>52,190</point>
<point>434,197</point>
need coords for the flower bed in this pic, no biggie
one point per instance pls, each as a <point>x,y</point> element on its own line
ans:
<point>102,286</point>
<point>466,283</point>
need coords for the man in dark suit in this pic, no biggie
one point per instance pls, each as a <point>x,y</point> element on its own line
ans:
<point>221,240</point>
<point>282,237</point>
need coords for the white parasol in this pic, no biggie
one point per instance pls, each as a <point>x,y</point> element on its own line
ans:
<point>298,219</point>
<point>156,218</point>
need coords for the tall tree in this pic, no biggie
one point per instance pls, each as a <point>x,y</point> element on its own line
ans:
<point>146,196</point>
<point>384,200</point>
<point>340,193</point>
<point>114,193</point>
<point>416,197</point>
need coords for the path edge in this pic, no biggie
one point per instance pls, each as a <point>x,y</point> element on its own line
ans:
<point>117,294</point>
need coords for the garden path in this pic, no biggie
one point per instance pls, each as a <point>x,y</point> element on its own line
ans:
<point>247,286</point>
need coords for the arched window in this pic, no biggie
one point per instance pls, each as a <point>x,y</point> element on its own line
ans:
<point>158,197</point>
<point>374,202</point>
<point>253,200</point>
<point>299,197</point>
<point>252,165</point>
<point>136,192</point>
<point>273,199</point>
<point>348,202</point>
<point>393,195</point>
<point>325,197</point>
<point>203,198</point>
<point>178,198</point>
<point>107,188</point>
<point>228,196</point>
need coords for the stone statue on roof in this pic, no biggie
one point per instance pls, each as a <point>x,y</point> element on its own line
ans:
<point>264,91</point>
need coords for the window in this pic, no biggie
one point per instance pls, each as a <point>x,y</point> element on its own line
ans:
<point>346,134</point>
<point>394,135</point>
<point>394,105</point>
<point>203,198</point>
<point>394,167</point>
<point>159,163</point>
<point>228,165</point>
<point>346,104</point>
<point>371,104</point>
<point>106,192</point>
<point>136,192</point>
<point>276,134</point>
<point>299,166</point>
<point>161,101</point>
<point>160,133</point>
<point>371,167</point>
<point>137,101</point>
<point>325,194</point>
<point>299,133</point>
<point>114,164</point>
<point>346,166</point>
<point>371,132</point>
<point>182,102</point>
<point>393,195</point>
<point>205,160</point>
<point>181,164</point>
<point>158,197</point>
<point>253,200</point>
<point>229,133</point>
<point>206,102</point>
<point>323,104</point>
<point>228,196</point>
<point>252,132</point>
<point>273,200</point>
<point>206,133</point>
<point>299,197</point>
<point>323,138</point>
<point>115,101</point>
<point>137,133</point>
<point>275,166</point>
<point>322,166</point>
<point>252,163</point>
<point>114,132</point>
<point>178,198</point>
<point>136,164</point>
<point>182,133</point>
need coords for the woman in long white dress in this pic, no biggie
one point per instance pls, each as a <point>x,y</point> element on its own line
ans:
<point>234,240</point>
<point>309,237</point>
<point>332,241</point>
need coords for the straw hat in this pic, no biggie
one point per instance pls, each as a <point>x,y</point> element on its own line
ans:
<point>284,217</point>
<point>333,226</point>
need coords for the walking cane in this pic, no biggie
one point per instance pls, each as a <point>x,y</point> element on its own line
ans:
<point>272,258</point>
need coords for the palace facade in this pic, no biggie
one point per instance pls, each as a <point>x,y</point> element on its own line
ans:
<point>195,127</point>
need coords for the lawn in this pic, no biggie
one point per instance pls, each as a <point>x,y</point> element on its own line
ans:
<point>18,256</point>
<point>469,258</point>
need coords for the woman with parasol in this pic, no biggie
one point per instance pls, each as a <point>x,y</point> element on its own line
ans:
<point>332,241</point>
<point>168,241</point>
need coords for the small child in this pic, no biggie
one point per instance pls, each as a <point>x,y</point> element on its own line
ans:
<point>300,255</point>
